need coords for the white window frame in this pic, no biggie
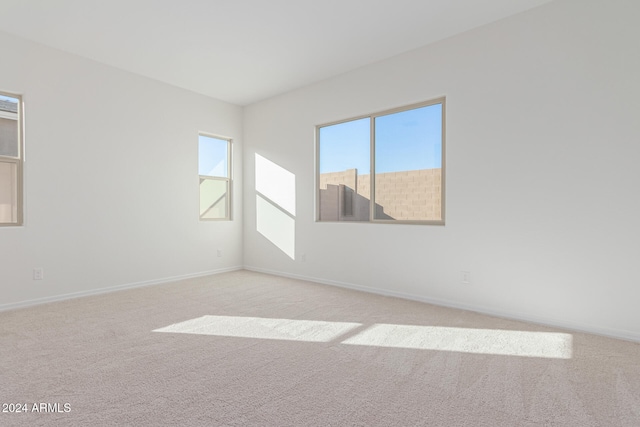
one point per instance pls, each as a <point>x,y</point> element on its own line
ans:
<point>228,179</point>
<point>372,204</point>
<point>18,161</point>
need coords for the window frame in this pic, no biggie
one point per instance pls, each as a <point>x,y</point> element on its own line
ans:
<point>372,205</point>
<point>18,161</point>
<point>228,179</point>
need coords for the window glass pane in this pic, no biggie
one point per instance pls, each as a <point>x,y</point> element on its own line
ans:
<point>213,156</point>
<point>408,165</point>
<point>9,142</point>
<point>8,192</point>
<point>214,198</point>
<point>344,166</point>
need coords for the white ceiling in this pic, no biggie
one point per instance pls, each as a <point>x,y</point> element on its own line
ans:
<point>243,51</point>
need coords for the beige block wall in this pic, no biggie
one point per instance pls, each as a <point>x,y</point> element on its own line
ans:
<point>8,195</point>
<point>407,195</point>
<point>329,203</point>
<point>347,178</point>
<point>8,137</point>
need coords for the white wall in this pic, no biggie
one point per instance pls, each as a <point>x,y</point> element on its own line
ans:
<point>111,180</point>
<point>543,142</point>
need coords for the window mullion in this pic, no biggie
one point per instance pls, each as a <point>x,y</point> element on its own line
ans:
<point>372,168</point>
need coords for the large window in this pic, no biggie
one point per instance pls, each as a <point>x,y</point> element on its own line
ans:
<point>214,168</point>
<point>386,167</point>
<point>10,159</point>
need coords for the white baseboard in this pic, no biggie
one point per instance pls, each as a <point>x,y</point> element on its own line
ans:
<point>38,301</point>
<point>557,323</point>
<point>564,324</point>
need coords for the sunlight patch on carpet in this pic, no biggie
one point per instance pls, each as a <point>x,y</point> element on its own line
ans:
<point>467,340</point>
<point>551,345</point>
<point>262,328</point>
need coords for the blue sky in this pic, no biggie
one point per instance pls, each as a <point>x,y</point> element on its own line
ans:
<point>345,146</point>
<point>8,98</point>
<point>212,156</point>
<point>408,140</point>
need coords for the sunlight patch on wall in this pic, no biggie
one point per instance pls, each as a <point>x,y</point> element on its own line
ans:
<point>550,345</point>
<point>467,340</point>
<point>278,227</point>
<point>276,184</point>
<point>262,328</point>
<point>276,204</point>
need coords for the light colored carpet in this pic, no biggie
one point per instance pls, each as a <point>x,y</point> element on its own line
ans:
<point>248,349</point>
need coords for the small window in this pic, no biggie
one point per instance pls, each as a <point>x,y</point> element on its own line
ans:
<point>386,167</point>
<point>214,168</point>
<point>10,159</point>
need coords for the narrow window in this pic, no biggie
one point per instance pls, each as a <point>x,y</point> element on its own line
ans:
<point>214,168</point>
<point>386,167</point>
<point>10,159</point>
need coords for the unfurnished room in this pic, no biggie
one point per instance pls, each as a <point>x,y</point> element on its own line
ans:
<point>305,213</point>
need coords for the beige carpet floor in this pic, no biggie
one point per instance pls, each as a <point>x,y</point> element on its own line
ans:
<point>249,349</point>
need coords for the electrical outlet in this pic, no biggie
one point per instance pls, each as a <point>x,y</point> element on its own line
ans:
<point>38,274</point>
<point>303,257</point>
<point>465,277</point>
<point>219,253</point>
